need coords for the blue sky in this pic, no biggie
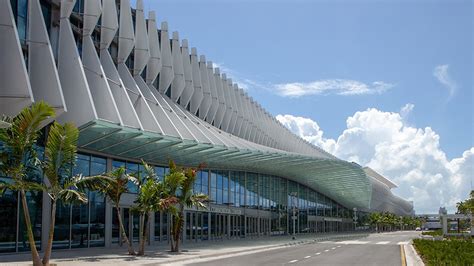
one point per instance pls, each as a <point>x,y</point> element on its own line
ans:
<point>398,42</point>
<point>392,53</point>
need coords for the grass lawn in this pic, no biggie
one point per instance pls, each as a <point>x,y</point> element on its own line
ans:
<point>448,252</point>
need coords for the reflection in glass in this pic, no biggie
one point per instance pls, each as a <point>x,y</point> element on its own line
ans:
<point>8,212</point>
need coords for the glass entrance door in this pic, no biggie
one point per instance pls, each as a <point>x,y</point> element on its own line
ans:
<point>131,225</point>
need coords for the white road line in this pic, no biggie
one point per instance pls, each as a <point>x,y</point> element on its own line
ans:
<point>326,250</point>
<point>319,253</point>
<point>307,257</point>
<point>338,246</point>
<point>292,261</point>
<point>353,242</point>
<point>382,242</point>
<point>333,248</point>
<point>402,243</point>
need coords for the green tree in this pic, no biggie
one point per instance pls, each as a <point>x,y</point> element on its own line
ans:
<point>178,185</point>
<point>18,152</point>
<point>60,156</point>
<point>374,220</point>
<point>113,191</point>
<point>152,197</point>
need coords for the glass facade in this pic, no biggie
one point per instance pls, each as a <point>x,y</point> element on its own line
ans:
<point>83,226</point>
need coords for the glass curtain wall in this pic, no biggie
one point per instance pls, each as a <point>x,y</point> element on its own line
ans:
<point>81,226</point>
<point>13,235</point>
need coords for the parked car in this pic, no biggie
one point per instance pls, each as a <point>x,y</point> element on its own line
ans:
<point>418,229</point>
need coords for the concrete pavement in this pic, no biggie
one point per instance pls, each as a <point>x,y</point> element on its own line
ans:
<point>159,254</point>
<point>375,249</point>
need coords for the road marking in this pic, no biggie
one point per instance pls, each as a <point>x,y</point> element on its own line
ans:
<point>382,242</point>
<point>403,257</point>
<point>402,243</point>
<point>326,250</point>
<point>353,242</point>
<point>338,246</point>
<point>292,261</point>
<point>319,253</point>
<point>333,248</point>
<point>307,257</point>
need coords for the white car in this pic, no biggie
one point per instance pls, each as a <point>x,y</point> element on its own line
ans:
<point>418,229</point>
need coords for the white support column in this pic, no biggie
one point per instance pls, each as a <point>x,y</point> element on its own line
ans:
<point>96,78</point>
<point>197,97</point>
<point>81,108</point>
<point>154,64</point>
<point>240,117</point>
<point>220,91</point>
<point>228,105</point>
<point>178,84</point>
<point>235,114</point>
<point>142,49</point>
<point>15,89</point>
<point>166,73</point>
<point>214,101</point>
<point>126,39</point>
<point>41,64</point>
<point>109,28</point>
<point>188,75</point>
<point>206,90</point>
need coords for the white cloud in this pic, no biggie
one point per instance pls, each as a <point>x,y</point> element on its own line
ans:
<point>409,156</point>
<point>297,89</point>
<point>406,110</point>
<point>307,129</point>
<point>441,74</point>
<point>244,83</point>
<point>331,86</point>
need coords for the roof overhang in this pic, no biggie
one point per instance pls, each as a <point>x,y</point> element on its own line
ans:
<point>342,181</point>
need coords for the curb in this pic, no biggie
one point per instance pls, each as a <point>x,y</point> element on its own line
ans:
<point>412,257</point>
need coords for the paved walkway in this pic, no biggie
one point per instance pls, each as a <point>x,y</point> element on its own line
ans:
<point>159,254</point>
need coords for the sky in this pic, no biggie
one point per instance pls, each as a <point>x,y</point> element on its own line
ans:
<point>387,84</point>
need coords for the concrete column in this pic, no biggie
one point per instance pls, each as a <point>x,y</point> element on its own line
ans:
<point>151,231</point>
<point>108,213</point>
<point>45,218</point>
<point>228,226</point>
<point>183,233</point>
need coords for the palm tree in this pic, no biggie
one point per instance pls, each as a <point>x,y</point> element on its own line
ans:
<point>18,141</point>
<point>146,202</point>
<point>113,190</point>
<point>375,219</point>
<point>179,185</point>
<point>60,153</point>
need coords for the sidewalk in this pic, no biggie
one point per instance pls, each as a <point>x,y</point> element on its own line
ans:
<point>159,254</point>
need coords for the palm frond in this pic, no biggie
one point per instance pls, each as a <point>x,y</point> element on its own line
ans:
<point>199,201</point>
<point>72,196</point>
<point>60,151</point>
<point>174,181</point>
<point>92,182</point>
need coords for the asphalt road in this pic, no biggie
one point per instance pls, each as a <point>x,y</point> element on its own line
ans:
<point>376,249</point>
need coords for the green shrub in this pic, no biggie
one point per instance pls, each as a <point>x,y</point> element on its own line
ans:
<point>437,232</point>
<point>448,252</point>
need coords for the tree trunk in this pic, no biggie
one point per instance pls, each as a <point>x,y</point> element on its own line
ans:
<point>31,239</point>
<point>124,235</point>
<point>49,247</point>
<point>178,224</point>
<point>141,248</point>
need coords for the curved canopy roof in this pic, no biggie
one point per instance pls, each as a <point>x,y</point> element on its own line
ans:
<point>344,182</point>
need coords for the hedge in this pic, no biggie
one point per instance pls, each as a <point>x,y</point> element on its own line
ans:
<point>447,252</point>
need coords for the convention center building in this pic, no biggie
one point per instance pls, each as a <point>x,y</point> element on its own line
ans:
<point>137,91</point>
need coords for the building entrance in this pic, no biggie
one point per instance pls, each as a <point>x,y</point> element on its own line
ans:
<point>131,225</point>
